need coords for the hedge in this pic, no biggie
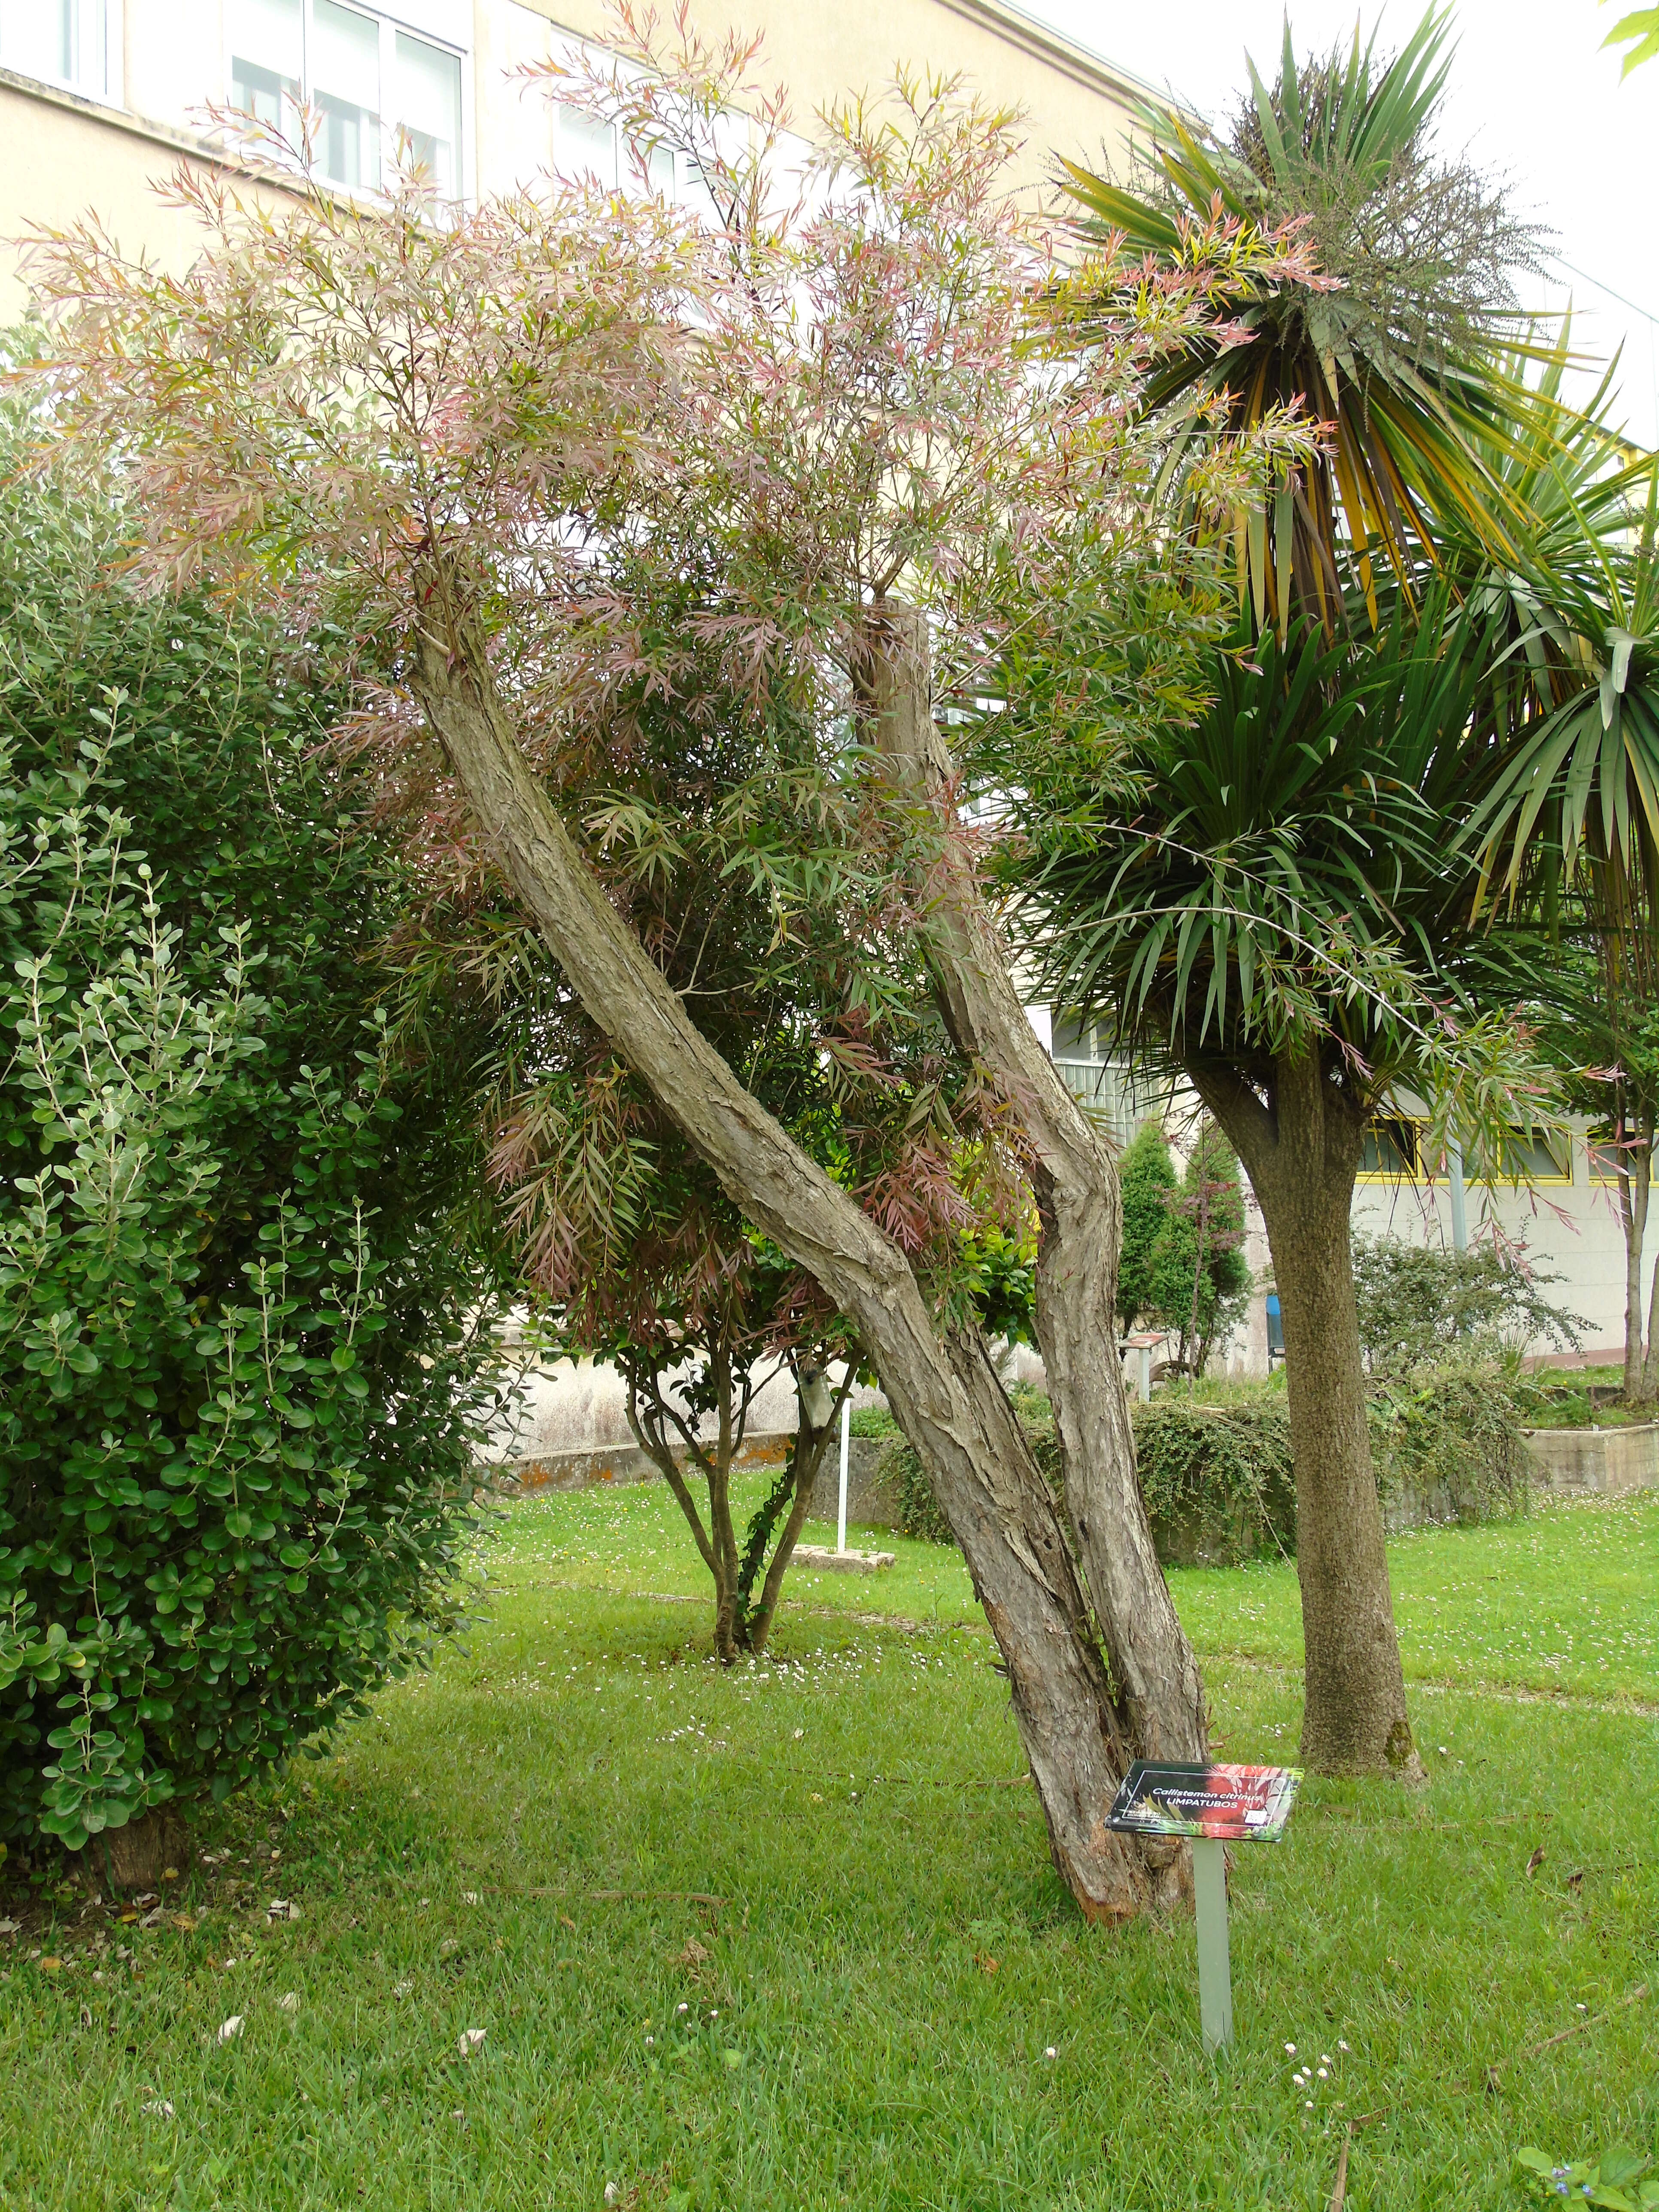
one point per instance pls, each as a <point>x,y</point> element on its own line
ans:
<point>1217,1476</point>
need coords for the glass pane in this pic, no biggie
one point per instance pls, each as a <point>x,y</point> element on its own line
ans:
<point>583,148</point>
<point>1390,1148</point>
<point>38,40</point>
<point>1606,1155</point>
<point>427,109</point>
<point>345,90</point>
<point>1533,1158</point>
<point>264,60</point>
<point>1073,1039</point>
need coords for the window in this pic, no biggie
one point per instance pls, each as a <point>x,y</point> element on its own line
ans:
<point>584,151</point>
<point>67,42</point>
<point>1606,1155</point>
<point>267,62</point>
<point>1390,1153</point>
<point>374,90</point>
<point>1083,1062</point>
<point>1532,1157</point>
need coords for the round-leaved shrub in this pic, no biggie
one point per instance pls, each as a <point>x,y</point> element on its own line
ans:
<point>242,1340</point>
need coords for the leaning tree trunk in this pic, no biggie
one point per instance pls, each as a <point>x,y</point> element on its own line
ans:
<point>1301,1150</point>
<point>944,1391</point>
<point>806,1456</point>
<point>1159,1695</point>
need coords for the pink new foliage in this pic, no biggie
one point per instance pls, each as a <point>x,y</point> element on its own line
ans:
<point>679,456</point>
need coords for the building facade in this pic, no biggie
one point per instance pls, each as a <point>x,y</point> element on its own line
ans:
<point>100,98</point>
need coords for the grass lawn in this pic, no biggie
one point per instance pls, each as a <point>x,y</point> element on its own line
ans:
<point>892,2004</point>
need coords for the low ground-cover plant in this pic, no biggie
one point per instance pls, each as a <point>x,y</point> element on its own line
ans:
<point>1615,2179</point>
<point>239,1326</point>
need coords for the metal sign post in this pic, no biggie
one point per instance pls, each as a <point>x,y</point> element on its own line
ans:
<point>1215,1806</point>
<point>846,1452</point>
<point>1215,1970</point>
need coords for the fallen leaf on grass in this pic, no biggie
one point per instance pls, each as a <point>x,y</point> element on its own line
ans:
<point>281,1908</point>
<point>469,2041</point>
<point>693,1955</point>
<point>986,1964</point>
<point>10,1927</point>
<point>289,2002</point>
<point>1535,1860</point>
<point>184,1924</point>
<point>231,2028</point>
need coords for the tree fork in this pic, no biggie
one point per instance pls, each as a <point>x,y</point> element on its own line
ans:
<point>1158,1691</point>
<point>946,1397</point>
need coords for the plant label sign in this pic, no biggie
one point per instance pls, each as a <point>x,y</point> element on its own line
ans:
<point>1238,1804</point>
<point>1216,1806</point>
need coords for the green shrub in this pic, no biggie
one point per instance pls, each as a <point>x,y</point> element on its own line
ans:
<point>1199,1281</point>
<point>1447,1444</point>
<point>1217,1475</point>
<point>1420,1306</point>
<point>1147,1180</point>
<point>1217,1478</point>
<point>238,1377</point>
<point>873,1421</point>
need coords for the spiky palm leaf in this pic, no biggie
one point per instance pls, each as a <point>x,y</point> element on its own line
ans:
<point>1579,779</point>
<point>1286,871</point>
<point>1399,357</point>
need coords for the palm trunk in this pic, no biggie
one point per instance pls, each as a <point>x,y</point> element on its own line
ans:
<point>944,1392</point>
<point>1301,1150</point>
<point>1635,1194</point>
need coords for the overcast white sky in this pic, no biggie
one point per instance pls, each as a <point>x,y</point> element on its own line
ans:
<point>1533,96</point>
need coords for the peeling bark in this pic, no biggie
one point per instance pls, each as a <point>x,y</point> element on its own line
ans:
<point>1158,1696</point>
<point>1077,1728</point>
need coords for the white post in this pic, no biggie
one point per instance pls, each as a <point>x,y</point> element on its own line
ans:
<point>1454,1184</point>
<point>1145,1376</point>
<point>846,1449</point>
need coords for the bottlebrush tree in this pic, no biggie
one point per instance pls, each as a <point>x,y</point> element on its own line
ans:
<point>568,465</point>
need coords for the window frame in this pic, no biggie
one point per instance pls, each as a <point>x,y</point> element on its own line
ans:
<point>388,27</point>
<point>112,94</point>
<point>1414,1170</point>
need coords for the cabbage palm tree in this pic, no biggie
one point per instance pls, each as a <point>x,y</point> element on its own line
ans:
<point>1398,353</point>
<point>1570,819</point>
<point>1285,915</point>
<point>1281,918</point>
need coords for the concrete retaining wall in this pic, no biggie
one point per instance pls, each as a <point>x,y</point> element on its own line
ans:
<point>871,1503</point>
<point>1595,1462</point>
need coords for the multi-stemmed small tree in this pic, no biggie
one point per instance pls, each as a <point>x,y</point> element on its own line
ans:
<point>544,460</point>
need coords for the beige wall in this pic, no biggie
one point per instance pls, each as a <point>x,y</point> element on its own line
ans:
<point>65,155</point>
<point>821,50</point>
